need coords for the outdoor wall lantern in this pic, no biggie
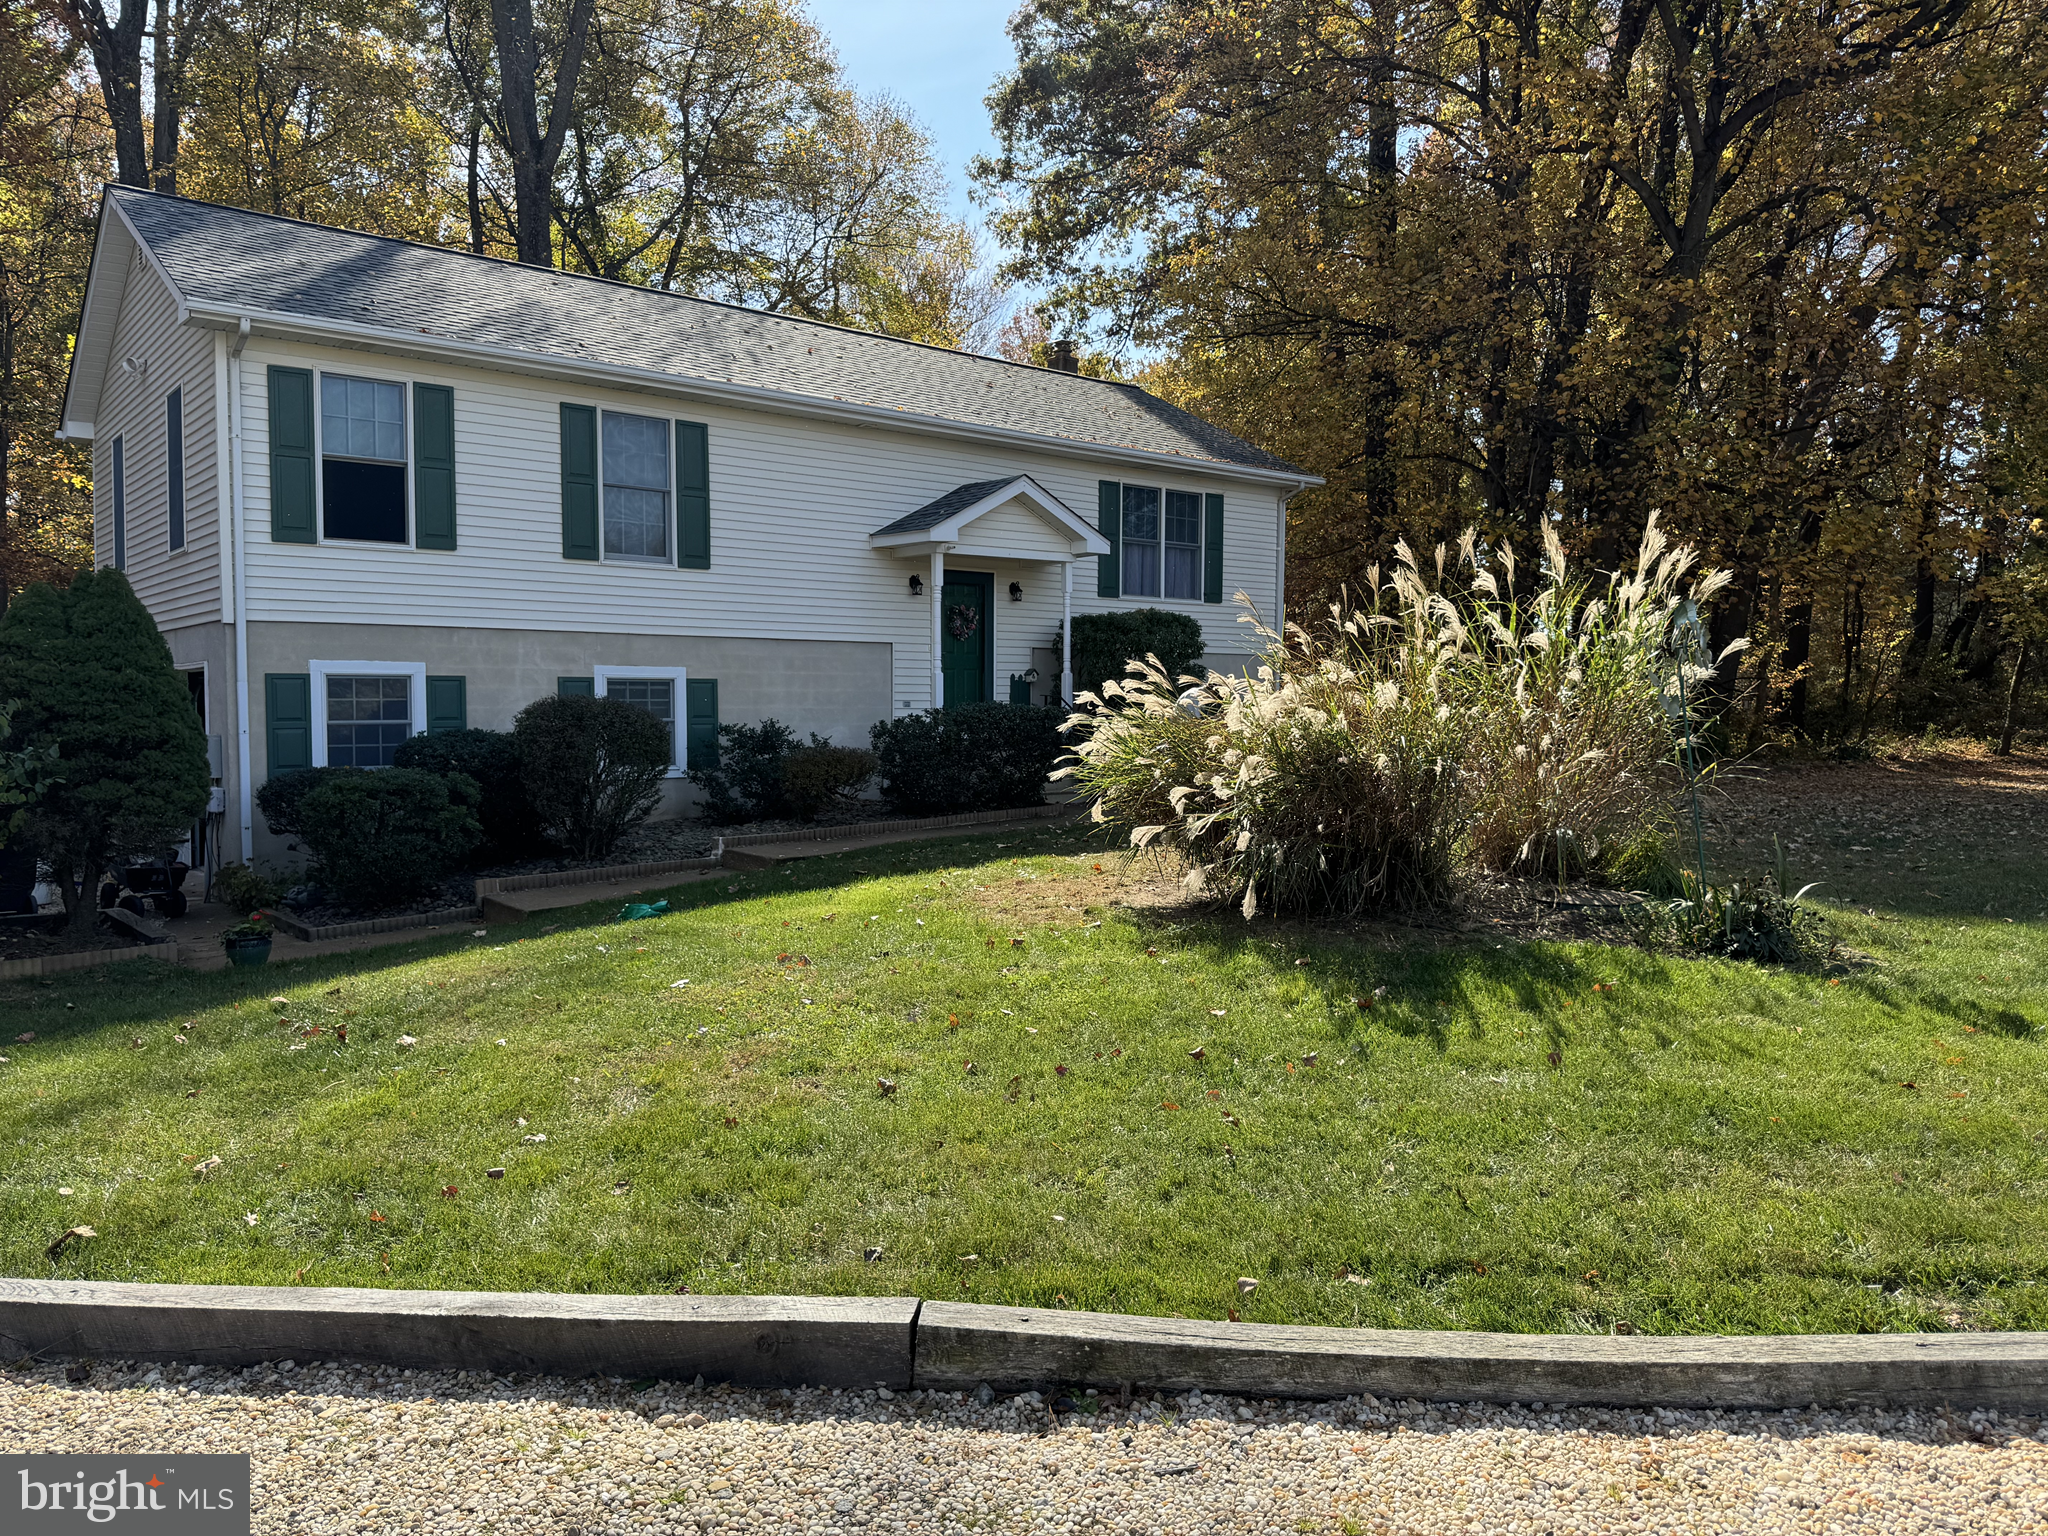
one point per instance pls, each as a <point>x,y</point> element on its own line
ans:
<point>1016,593</point>
<point>917,586</point>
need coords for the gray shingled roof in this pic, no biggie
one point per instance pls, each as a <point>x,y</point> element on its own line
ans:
<point>932,513</point>
<point>231,259</point>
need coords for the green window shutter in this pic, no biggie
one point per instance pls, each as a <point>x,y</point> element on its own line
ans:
<point>433,469</point>
<point>700,743</point>
<point>579,482</point>
<point>1212,549</point>
<point>585,686</point>
<point>288,721</point>
<point>693,497</point>
<point>1109,522</point>
<point>447,704</point>
<point>291,456</point>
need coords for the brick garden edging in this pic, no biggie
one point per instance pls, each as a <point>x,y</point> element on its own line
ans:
<point>311,935</point>
<point>80,959</point>
<point>902,1342</point>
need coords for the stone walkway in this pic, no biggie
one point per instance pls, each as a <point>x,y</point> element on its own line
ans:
<point>356,1451</point>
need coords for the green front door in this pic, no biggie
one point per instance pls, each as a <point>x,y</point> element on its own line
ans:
<point>964,652</point>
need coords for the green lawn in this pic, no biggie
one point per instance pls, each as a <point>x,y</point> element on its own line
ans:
<point>1717,1149</point>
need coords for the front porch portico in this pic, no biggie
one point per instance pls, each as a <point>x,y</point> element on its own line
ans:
<point>1011,520</point>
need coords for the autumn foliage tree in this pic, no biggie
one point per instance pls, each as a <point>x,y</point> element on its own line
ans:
<point>1754,265</point>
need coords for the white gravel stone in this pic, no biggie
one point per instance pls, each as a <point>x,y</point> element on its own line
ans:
<point>357,1450</point>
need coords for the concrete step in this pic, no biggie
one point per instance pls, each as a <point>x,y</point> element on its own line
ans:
<point>517,906</point>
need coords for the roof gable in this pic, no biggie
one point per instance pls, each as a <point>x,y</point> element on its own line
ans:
<point>952,519</point>
<point>228,262</point>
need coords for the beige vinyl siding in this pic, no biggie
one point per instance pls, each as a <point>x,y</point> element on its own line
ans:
<point>792,504</point>
<point>181,586</point>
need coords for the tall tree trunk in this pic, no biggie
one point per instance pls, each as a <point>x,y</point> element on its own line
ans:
<point>536,147</point>
<point>2012,697</point>
<point>116,46</point>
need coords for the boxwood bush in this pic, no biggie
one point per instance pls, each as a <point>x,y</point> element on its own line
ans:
<point>592,768</point>
<point>282,794</point>
<point>1104,643</point>
<point>967,757</point>
<point>491,758</point>
<point>380,838</point>
<point>744,781</point>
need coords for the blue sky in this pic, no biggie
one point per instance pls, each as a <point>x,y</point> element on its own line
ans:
<point>939,60</point>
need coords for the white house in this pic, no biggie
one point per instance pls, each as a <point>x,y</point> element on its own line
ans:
<point>369,488</point>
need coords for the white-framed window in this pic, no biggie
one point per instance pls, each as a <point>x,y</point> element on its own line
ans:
<point>660,691</point>
<point>1162,543</point>
<point>635,459</point>
<point>363,460</point>
<point>364,709</point>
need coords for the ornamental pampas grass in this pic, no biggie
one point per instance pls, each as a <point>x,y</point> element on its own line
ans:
<point>1358,764</point>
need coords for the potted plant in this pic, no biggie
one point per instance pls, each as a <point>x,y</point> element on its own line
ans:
<point>248,943</point>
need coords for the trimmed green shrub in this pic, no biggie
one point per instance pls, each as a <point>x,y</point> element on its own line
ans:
<point>381,837</point>
<point>819,776</point>
<point>1106,643</point>
<point>592,768</point>
<point>491,758</point>
<point>967,757</point>
<point>745,782</point>
<point>88,675</point>
<point>280,796</point>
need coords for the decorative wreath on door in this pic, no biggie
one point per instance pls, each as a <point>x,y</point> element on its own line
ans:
<point>963,619</point>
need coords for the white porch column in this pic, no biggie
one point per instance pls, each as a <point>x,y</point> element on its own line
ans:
<point>937,579</point>
<point>1067,638</point>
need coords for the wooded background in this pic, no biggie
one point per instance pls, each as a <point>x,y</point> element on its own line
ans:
<point>1772,269</point>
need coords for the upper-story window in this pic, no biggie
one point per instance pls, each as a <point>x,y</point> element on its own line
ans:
<point>1162,543</point>
<point>362,459</point>
<point>636,483</point>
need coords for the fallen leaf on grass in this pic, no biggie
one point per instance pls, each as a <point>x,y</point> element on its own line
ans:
<point>407,1042</point>
<point>1345,1276</point>
<point>971,1069</point>
<point>1246,1285</point>
<point>536,1137</point>
<point>25,1037</point>
<point>1016,1087</point>
<point>1231,1315</point>
<point>731,1121</point>
<point>1914,1086</point>
<point>136,1043</point>
<point>872,1255</point>
<point>206,1167</point>
<point>494,1173</point>
<point>885,1085</point>
<point>675,984</point>
<point>1060,1071</point>
<point>1216,1013</point>
<point>1169,1104</point>
<point>252,1218</point>
<point>449,1191</point>
<point>1556,1059</point>
<point>1199,1053</point>
<point>376,1216</point>
<point>64,1238</point>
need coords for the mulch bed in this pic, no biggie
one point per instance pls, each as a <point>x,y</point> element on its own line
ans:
<point>24,938</point>
<point>651,843</point>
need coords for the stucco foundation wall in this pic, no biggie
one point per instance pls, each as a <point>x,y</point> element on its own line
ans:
<point>836,688</point>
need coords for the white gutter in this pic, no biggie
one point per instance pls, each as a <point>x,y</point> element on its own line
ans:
<point>244,794</point>
<point>752,396</point>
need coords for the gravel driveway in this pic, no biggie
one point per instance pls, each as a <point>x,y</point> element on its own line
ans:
<point>352,1450</point>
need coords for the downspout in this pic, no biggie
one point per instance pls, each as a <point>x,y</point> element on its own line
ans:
<point>244,795</point>
<point>1067,638</point>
